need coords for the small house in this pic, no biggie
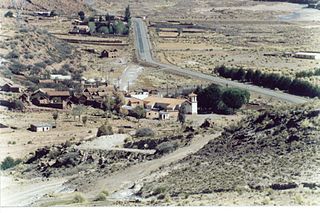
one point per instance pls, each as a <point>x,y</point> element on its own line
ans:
<point>307,55</point>
<point>9,87</point>
<point>40,127</point>
<point>80,29</point>
<point>152,114</point>
<point>60,77</point>
<point>134,102</point>
<point>109,53</point>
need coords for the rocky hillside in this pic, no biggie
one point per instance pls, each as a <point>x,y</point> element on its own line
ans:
<point>276,151</point>
<point>36,53</point>
<point>61,6</point>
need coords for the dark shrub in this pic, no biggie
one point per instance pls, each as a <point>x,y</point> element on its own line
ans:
<point>8,14</point>
<point>13,55</point>
<point>104,130</point>
<point>144,132</point>
<point>138,112</point>
<point>166,147</point>
<point>9,162</point>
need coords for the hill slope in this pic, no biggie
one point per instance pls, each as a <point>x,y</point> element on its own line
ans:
<point>274,152</point>
<point>61,6</point>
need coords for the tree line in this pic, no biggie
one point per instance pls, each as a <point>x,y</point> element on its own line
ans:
<point>305,74</point>
<point>270,80</point>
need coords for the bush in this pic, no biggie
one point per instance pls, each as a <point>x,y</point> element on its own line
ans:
<point>17,105</point>
<point>167,147</point>
<point>13,55</point>
<point>9,162</point>
<point>138,112</point>
<point>104,130</point>
<point>144,132</point>
<point>160,190</point>
<point>101,197</point>
<point>8,14</point>
<point>78,198</point>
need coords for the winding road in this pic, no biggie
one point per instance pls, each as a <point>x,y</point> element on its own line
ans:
<point>143,47</point>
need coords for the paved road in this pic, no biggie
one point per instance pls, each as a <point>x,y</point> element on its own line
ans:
<point>143,46</point>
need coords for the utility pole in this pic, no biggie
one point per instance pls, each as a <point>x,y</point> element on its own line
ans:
<point>128,86</point>
<point>167,90</point>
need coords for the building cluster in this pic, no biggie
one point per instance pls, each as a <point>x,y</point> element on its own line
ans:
<point>158,107</point>
<point>301,55</point>
<point>65,99</point>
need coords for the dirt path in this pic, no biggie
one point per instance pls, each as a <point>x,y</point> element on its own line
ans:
<point>129,76</point>
<point>134,173</point>
<point>24,194</point>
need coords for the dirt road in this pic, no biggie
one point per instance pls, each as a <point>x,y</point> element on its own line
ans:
<point>26,192</point>
<point>126,178</point>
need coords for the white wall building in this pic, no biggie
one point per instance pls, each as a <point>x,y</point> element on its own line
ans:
<point>307,55</point>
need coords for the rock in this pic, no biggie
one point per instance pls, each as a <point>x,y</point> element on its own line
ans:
<point>313,113</point>
<point>291,123</point>
<point>292,138</point>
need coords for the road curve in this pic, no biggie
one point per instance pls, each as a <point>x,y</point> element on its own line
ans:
<point>143,49</point>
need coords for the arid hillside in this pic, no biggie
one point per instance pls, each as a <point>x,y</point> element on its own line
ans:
<point>269,159</point>
<point>36,54</point>
<point>61,6</point>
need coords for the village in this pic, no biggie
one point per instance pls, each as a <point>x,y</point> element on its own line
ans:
<point>169,103</point>
<point>152,102</point>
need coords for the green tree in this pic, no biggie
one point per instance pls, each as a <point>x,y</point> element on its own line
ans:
<point>235,98</point>
<point>119,101</point>
<point>84,120</point>
<point>139,112</point>
<point>284,83</point>
<point>209,97</point>
<point>81,15</point>
<point>127,14</point>
<point>111,29</point>
<point>256,77</point>
<point>119,28</point>
<point>108,104</point>
<point>92,26</point>
<point>239,75</point>
<point>55,116</point>
<point>103,29</point>
<point>77,112</point>
<point>108,19</point>
<point>249,75</point>
<point>224,109</point>
<point>182,114</point>
<point>17,105</point>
